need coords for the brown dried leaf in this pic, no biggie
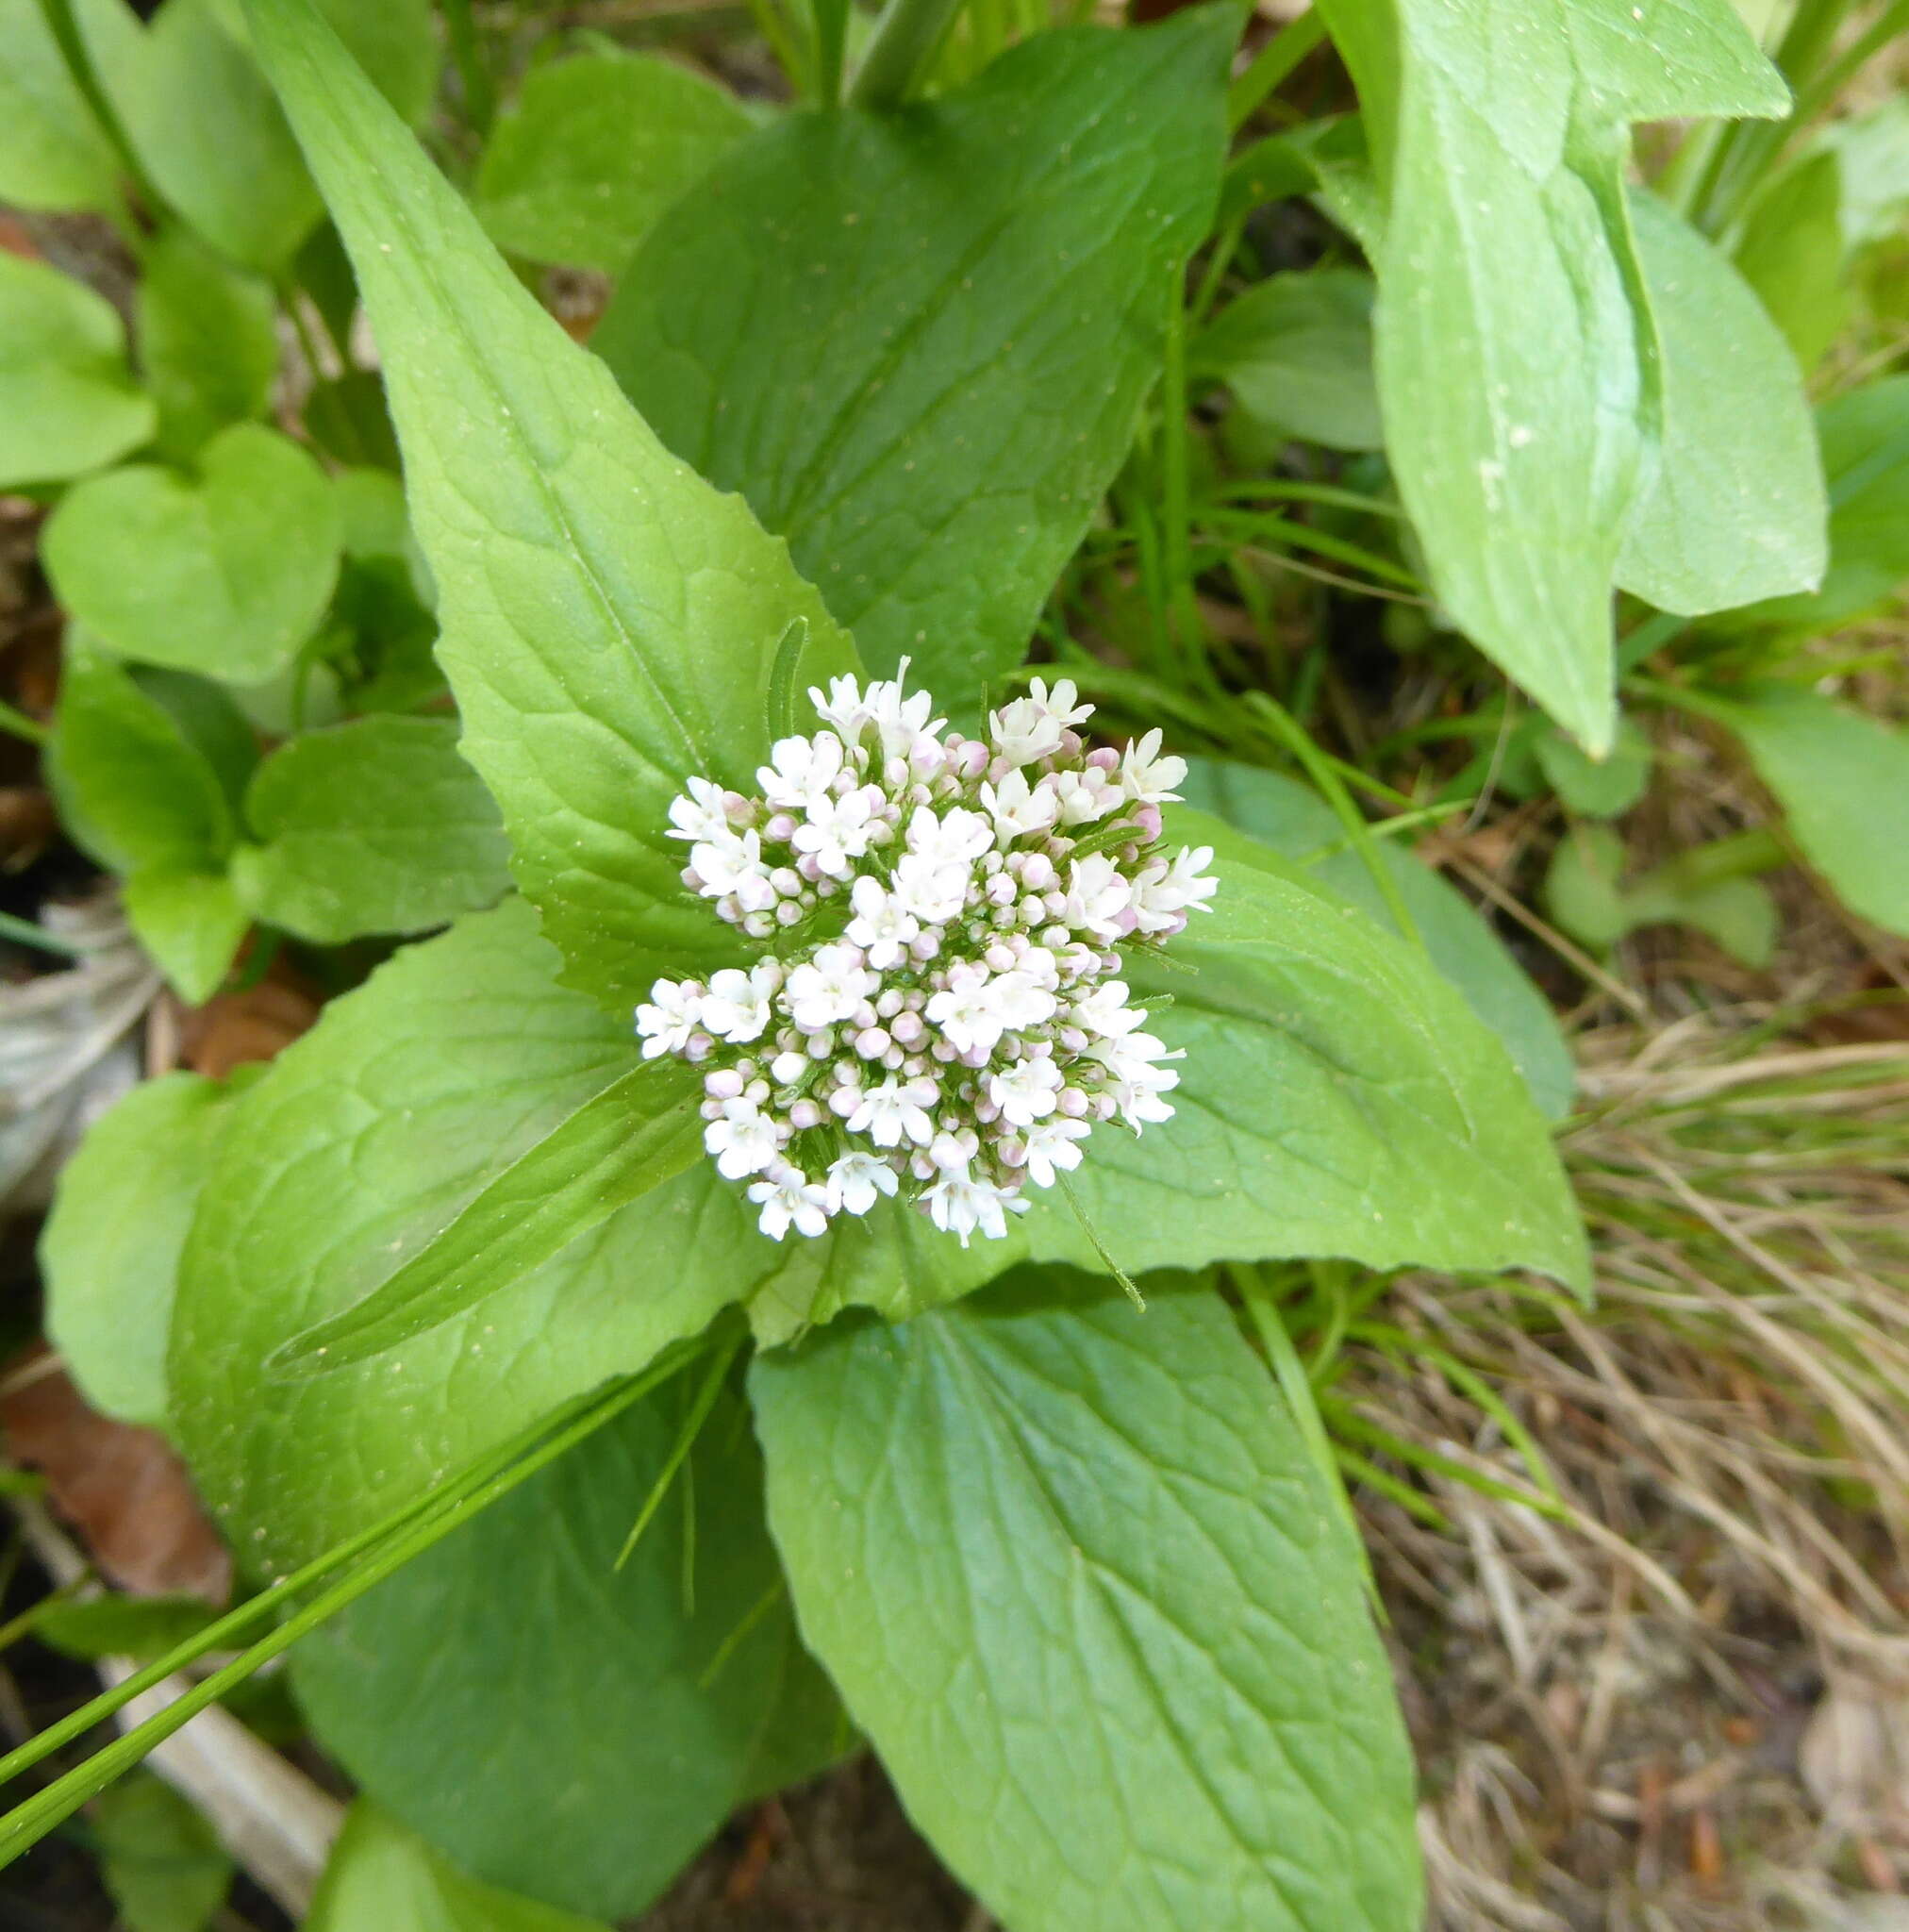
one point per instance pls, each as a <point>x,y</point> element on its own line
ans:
<point>256,1024</point>
<point>122,1489</point>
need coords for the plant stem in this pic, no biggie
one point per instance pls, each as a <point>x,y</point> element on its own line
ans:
<point>20,725</point>
<point>23,932</point>
<point>64,28</point>
<point>902,43</point>
<point>1273,64</point>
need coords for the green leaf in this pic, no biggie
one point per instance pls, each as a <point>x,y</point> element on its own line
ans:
<point>161,1861</point>
<point>67,402</point>
<point>1075,1575</point>
<point>1295,821</point>
<point>191,923</point>
<point>366,1139</point>
<point>595,150</point>
<point>1595,790</point>
<point>1843,782</point>
<point>1865,438</point>
<point>602,606</point>
<point>110,1249</point>
<point>226,570</point>
<point>571,1743</point>
<point>1586,896</point>
<point>1296,350</point>
<point>141,1627</point>
<point>210,721</point>
<point>207,342</point>
<point>638,1132</point>
<point>1516,363</point>
<point>1791,252</point>
<point>375,827</point>
<point>1736,509</point>
<point>381,1876</point>
<point>137,793</point>
<point>52,151</point>
<point>1873,148</point>
<point>966,318</point>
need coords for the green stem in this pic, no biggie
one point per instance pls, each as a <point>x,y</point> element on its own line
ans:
<point>23,932</point>
<point>1273,64</point>
<point>20,725</point>
<point>64,28</point>
<point>903,42</point>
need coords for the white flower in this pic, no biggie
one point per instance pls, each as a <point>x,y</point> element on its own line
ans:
<point>737,1005</point>
<point>1134,1078</point>
<point>1147,778</point>
<point>1163,894</point>
<point>789,1200</point>
<point>1086,795</point>
<point>1025,1090</point>
<point>906,729</point>
<point>1021,811</point>
<point>744,1141</point>
<point>733,863</point>
<point>895,1110</point>
<point>968,1009</point>
<point>845,708</point>
<point>957,837</point>
<point>828,987</point>
<point>1097,894</point>
<point>1051,1143</point>
<point>932,893</point>
<point>1030,727</point>
<point>882,925</point>
<point>1021,998</point>
<point>960,1205</point>
<point>855,1179</point>
<point>669,1017</point>
<point>803,769</point>
<point>1104,1009</point>
<point>836,830</point>
<point>700,814</point>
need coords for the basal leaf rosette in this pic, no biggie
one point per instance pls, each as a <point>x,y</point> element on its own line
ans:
<point>941,1014</point>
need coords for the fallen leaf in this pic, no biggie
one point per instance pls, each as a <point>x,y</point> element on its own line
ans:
<point>233,1028</point>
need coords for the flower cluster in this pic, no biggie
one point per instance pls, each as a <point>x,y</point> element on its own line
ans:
<point>938,1014</point>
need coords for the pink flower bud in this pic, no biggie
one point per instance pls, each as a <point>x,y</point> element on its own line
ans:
<point>804,1115</point>
<point>786,914</point>
<point>1071,1102</point>
<point>1147,817</point>
<point>780,829</point>
<point>724,1085</point>
<point>871,1042</point>
<point>1106,758</point>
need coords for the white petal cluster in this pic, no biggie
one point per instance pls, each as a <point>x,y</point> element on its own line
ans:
<point>941,1017</point>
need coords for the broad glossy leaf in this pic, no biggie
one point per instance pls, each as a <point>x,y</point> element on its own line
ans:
<point>565,1744</point>
<point>1296,350</point>
<point>67,400</point>
<point>595,150</point>
<point>380,1876</point>
<point>1296,822</point>
<point>1515,360</point>
<point>191,923</point>
<point>1843,782</point>
<point>160,1859</point>
<point>52,151</point>
<point>208,340</point>
<point>1791,254</point>
<point>966,317</point>
<point>607,615</point>
<point>638,1132</point>
<point>374,827</point>
<point>365,1139</point>
<point>1865,437</point>
<point>138,792</point>
<point>1077,1577</point>
<point>1734,510</point>
<point>110,1249</point>
<point>225,570</point>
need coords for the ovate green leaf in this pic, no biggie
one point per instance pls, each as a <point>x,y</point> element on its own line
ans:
<point>224,571</point>
<point>160,1859</point>
<point>67,401</point>
<point>595,150</point>
<point>602,606</point>
<point>1586,893</point>
<point>1734,509</point>
<point>919,342</point>
<point>111,1250</point>
<point>1515,348</point>
<point>1296,350</point>
<point>1791,254</point>
<point>365,1139</point>
<point>582,1737</point>
<point>191,923</point>
<point>208,340</point>
<point>374,827</point>
<point>1076,1576</point>
<point>381,1876</point>
<point>1843,782</point>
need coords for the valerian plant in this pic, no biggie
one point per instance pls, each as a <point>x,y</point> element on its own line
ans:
<point>668,1322</point>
